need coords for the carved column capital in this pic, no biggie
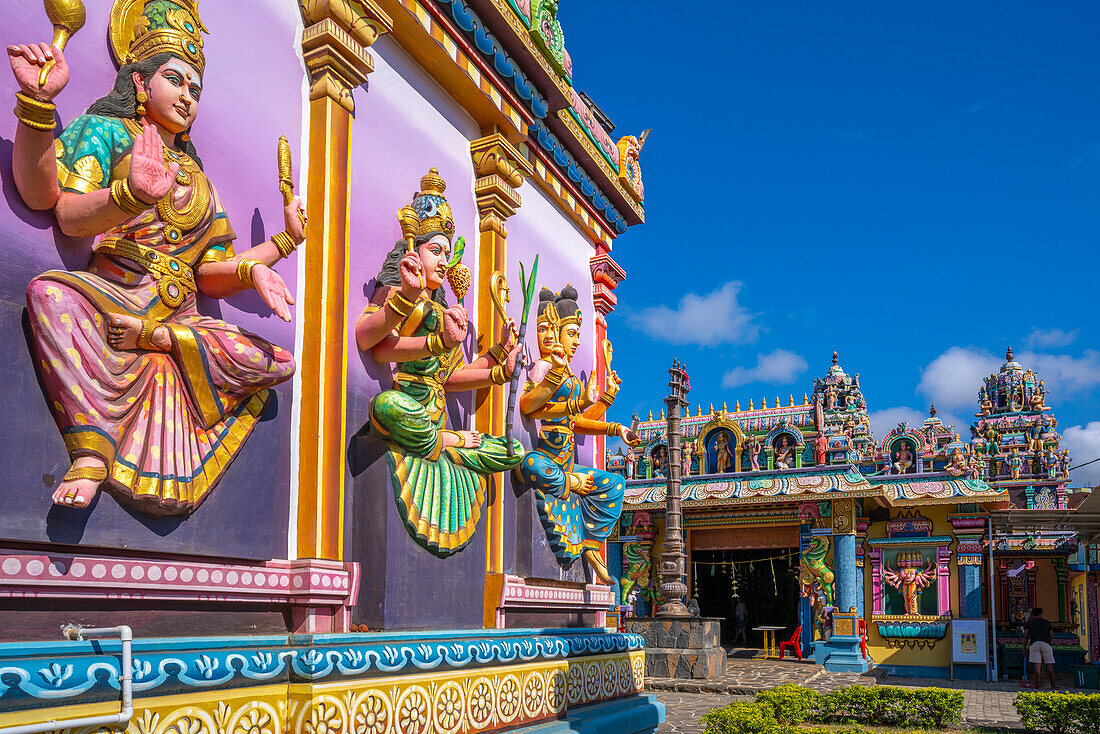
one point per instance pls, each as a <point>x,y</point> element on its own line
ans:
<point>335,42</point>
<point>606,276</point>
<point>501,169</point>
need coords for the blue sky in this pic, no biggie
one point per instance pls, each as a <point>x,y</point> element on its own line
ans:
<point>914,185</point>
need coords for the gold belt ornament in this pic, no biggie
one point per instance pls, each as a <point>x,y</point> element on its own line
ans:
<point>427,380</point>
<point>175,278</point>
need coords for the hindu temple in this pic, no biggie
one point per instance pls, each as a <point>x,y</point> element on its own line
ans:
<point>866,550</point>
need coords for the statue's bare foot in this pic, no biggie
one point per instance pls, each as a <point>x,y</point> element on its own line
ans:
<point>81,482</point>
<point>461,439</point>
<point>582,483</point>
<point>597,565</point>
<point>125,332</point>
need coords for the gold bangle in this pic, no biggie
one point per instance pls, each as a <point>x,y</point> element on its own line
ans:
<point>435,345</point>
<point>555,377</point>
<point>613,429</point>
<point>34,113</point>
<point>573,406</point>
<point>607,398</point>
<point>284,243</point>
<point>400,305</point>
<point>498,353</point>
<point>244,271</point>
<point>124,198</point>
<point>497,375</point>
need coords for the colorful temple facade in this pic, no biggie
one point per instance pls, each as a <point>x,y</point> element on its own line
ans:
<point>798,510</point>
<point>280,454</point>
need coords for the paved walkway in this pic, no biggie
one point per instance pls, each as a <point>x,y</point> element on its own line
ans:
<point>987,705</point>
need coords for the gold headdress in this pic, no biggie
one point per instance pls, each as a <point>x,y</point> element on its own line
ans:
<point>140,29</point>
<point>429,210</point>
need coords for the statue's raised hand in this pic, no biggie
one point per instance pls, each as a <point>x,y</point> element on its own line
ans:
<point>27,61</point>
<point>629,437</point>
<point>149,180</point>
<point>591,391</point>
<point>273,290</point>
<point>294,217</point>
<point>454,326</point>
<point>412,281</point>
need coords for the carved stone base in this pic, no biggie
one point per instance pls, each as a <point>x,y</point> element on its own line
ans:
<point>681,648</point>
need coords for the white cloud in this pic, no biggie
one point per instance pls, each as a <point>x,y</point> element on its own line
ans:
<point>952,379</point>
<point>778,368</point>
<point>1050,338</point>
<point>1083,443</point>
<point>1064,374</point>
<point>716,318</point>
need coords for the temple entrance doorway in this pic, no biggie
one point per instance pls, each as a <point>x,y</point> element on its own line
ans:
<point>765,579</point>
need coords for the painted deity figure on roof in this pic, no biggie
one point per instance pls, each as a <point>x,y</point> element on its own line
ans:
<point>438,474</point>
<point>784,453</point>
<point>578,505</point>
<point>154,399</point>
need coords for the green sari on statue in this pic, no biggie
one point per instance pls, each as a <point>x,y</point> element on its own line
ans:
<point>439,491</point>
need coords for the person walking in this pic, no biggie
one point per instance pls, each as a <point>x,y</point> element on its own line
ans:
<point>1040,636</point>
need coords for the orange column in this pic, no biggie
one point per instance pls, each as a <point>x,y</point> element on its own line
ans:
<point>501,169</point>
<point>334,45</point>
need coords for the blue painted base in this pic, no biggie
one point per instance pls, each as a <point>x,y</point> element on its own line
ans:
<point>938,672</point>
<point>632,715</point>
<point>841,653</point>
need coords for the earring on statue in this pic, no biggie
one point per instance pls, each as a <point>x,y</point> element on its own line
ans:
<point>184,137</point>
<point>142,98</point>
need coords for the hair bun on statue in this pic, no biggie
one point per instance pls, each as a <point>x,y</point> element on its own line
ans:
<point>546,295</point>
<point>569,293</point>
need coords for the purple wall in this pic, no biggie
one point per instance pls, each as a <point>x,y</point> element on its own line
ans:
<point>245,106</point>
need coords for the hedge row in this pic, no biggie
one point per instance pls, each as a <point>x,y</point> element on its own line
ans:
<point>1060,713</point>
<point>783,709</point>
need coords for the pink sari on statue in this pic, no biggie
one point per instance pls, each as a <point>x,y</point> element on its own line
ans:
<point>167,424</point>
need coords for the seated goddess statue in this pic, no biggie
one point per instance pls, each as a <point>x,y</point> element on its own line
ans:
<point>438,474</point>
<point>154,399</point>
<point>579,505</point>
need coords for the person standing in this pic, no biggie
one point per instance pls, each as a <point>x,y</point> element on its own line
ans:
<point>1039,634</point>
<point>740,620</point>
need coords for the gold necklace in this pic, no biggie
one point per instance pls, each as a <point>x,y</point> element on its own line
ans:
<point>185,218</point>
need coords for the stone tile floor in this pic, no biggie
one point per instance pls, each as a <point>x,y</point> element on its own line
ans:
<point>987,705</point>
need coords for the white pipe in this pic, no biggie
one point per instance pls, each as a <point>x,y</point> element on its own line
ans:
<point>993,603</point>
<point>120,720</point>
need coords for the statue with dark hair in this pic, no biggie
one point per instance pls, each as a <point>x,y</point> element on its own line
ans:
<point>154,400</point>
<point>579,505</point>
<point>438,475</point>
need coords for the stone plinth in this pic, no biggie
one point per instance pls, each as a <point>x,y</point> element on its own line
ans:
<point>688,647</point>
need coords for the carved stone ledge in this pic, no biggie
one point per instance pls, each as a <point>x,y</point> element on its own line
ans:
<point>364,20</point>
<point>501,168</point>
<point>334,45</point>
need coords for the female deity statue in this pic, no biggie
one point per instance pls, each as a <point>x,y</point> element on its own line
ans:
<point>912,576</point>
<point>821,449</point>
<point>721,453</point>
<point>154,399</point>
<point>685,460</point>
<point>579,505</point>
<point>754,453</point>
<point>438,474</point>
<point>784,453</point>
<point>958,465</point>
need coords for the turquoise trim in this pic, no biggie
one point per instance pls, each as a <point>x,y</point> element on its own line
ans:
<point>84,672</point>
<point>597,143</point>
<point>931,540</point>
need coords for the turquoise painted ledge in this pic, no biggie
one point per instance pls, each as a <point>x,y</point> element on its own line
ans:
<point>912,630</point>
<point>60,672</point>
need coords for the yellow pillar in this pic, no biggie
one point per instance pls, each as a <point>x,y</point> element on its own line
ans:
<point>334,44</point>
<point>501,169</point>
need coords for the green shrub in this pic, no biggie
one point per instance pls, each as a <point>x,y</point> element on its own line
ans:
<point>1060,713</point>
<point>936,707</point>
<point>790,703</point>
<point>743,717</point>
<point>889,706</point>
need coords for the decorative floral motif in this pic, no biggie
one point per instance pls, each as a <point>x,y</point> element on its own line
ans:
<point>625,677</point>
<point>325,718</point>
<point>508,698</point>
<point>592,680</point>
<point>480,703</point>
<point>449,707</point>
<point>638,667</point>
<point>413,711</point>
<point>609,675</point>
<point>255,720</point>
<point>533,689</point>
<point>373,715</point>
<point>188,725</point>
<point>555,691</point>
<point>574,684</point>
